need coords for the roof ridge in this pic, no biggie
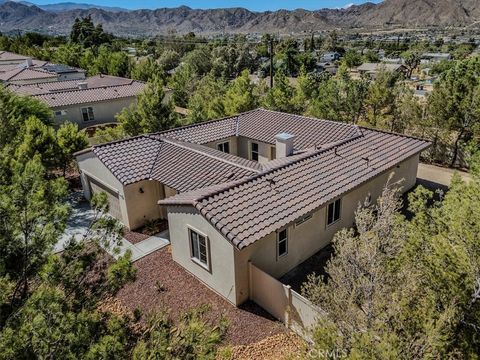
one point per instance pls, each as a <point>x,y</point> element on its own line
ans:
<point>309,117</point>
<point>230,117</point>
<point>183,145</point>
<point>393,133</point>
<point>73,90</point>
<point>308,155</point>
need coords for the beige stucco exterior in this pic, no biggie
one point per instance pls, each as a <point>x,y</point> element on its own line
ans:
<point>229,266</point>
<point>138,201</point>
<point>104,112</point>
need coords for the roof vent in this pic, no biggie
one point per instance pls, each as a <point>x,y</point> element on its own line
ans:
<point>82,85</point>
<point>284,145</point>
<point>28,62</point>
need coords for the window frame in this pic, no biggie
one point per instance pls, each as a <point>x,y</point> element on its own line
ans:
<point>334,204</point>
<point>273,152</point>
<point>278,240</point>
<point>257,152</point>
<point>221,144</point>
<point>303,219</point>
<point>89,111</point>
<point>198,261</point>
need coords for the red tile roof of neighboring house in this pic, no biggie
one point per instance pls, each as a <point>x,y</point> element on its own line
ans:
<point>31,73</point>
<point>69,85</point>
<point>85,96</point>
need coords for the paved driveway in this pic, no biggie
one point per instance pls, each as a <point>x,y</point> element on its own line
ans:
<point>80,219</point>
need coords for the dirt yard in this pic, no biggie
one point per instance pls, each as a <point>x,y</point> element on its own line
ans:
<point>163,284</point>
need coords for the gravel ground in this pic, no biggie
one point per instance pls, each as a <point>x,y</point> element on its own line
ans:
<point>135,237</point>
<point>181,291</point>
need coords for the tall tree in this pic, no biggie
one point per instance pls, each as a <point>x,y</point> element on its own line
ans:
<point>151,113</point>
<point>240,96</point>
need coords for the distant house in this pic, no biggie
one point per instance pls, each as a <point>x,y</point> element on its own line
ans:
<point>330,57</point>
<point>371,69</point>
<point>328,67</point>
<point>8,58</point>
<point>262,187</point>
<point>32,71</point>
<point>92,101</point>
<point>435,57</point>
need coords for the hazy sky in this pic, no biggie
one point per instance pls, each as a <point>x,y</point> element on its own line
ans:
<point>204,4</point>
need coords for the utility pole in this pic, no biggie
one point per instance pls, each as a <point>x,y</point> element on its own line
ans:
<point>271,62</point>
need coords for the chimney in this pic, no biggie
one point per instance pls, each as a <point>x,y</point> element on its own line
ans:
<point>82,85</point>
<point>284,145</point>
<point>28,62</point>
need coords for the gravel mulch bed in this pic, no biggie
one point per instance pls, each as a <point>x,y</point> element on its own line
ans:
<point>135,237</point>
<point>181,291</point>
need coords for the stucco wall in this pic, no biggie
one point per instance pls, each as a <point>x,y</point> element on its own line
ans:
<point>311,236</point>
<point>263,149</point>
<point>91,166</point>
<point>221,277</point>
<point>233,144</point>
<point>104,112</point>
<point>143,206</point>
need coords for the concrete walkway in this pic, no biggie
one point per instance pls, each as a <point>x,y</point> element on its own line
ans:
<point>437,177</point>
<point>145,247</point>
<point>80,219</point>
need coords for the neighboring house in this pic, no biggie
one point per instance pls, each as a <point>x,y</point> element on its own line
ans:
<point>7,57</point>
<point>95,100</point>
<point>262,187</point>
<point>34,71</point>
<point>330,57</point>
<point>427,58</point>
<point>372,69</point>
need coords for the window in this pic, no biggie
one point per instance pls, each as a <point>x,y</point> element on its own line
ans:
<point>253,151</point>
<point>199,248</point>
<point>60,113</point>
<point>334,212</point>
<point>303,219</point>
<point>273,153</point>
<point>282,243</point>
<point>87,114</point>
<point>224,147</point>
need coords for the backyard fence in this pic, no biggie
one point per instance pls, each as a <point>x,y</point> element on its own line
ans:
<point>296,312</point>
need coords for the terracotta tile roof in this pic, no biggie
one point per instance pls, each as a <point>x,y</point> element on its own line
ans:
<point>244,200</point>
<point>26,74</point>
<point>69,85</point>
<point>7,55</point>
<point>84,96</point>
<point>250,209</point>
<point>148,158</point>
<point>263,125</point>
<point>9,67</point>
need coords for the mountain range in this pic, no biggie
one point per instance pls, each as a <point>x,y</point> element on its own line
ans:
<point>15,16</point>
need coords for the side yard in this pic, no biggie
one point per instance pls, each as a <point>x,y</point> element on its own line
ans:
<point>161,283</point>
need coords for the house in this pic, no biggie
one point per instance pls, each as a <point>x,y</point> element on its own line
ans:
<point>35,71</point>
<point>8,58</point>
<point>92,101</point>
<point>261,187</point>
<point>372,69</point>
<point>330,57</point>
<point>427,58</point>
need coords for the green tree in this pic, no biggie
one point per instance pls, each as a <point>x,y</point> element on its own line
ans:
<point>151,113</point>
<point>169,60</point>
<point>207,102</point>
<point>411,61</point>
<point>69,140</point>
<point>280,97</point>
<point>85,33</point>
<point>352,59</point>
<point>240,96</point>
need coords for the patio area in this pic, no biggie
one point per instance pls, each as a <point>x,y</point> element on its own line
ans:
<point>314,265</point>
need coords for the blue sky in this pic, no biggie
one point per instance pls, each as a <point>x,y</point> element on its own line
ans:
<point>208,4</point>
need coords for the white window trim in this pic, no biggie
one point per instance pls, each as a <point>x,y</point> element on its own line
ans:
<point>250,150</point>
<point>208,265</point>
<point>222,143</point>
<point>340,214</point>
<point>93,113</point>
<point>278,242</point>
